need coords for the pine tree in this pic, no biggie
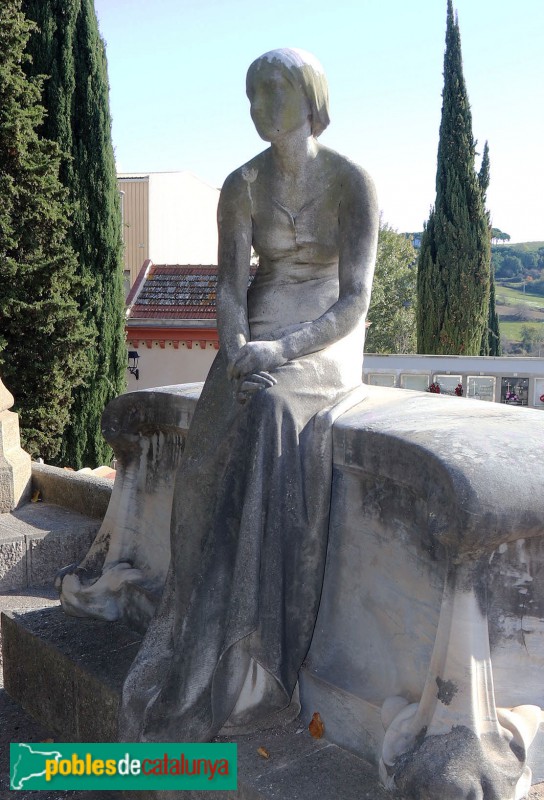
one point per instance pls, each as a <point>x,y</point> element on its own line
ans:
<point>454,261</point>
<point>69,49</point>
<point>42,338</point>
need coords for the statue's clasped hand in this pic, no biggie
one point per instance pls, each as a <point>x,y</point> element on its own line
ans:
<point>253,384</point>
<point>250,367</point>
<point>255,357</point>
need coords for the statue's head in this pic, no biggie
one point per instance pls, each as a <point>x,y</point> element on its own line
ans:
<point>304,72</point>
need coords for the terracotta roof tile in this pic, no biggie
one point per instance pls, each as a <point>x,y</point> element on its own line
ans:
<point>176,292</point>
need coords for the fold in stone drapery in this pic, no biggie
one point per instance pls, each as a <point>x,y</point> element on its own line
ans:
<point>249,538</point>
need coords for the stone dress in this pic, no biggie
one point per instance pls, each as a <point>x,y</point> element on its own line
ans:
<point>251,506</point>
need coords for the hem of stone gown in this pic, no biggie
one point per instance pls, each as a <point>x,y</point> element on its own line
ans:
<point>276,719</point>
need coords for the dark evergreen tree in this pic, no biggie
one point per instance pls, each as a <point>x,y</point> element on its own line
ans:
<point>484,175</point>
<point>68,48</point>
<point>491,339</point>
<point>493,345</point>
<point>454,261</point>
<point>42,338</point>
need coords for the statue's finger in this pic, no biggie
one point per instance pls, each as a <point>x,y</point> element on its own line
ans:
<point>259,378</point>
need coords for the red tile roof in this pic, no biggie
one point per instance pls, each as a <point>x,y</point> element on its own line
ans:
<point>168,291</point>
<point>174,292</point>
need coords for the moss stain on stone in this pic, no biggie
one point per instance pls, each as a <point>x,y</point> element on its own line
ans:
<point>446,691</point>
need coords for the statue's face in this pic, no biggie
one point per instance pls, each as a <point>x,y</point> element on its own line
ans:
<point>278,107</point>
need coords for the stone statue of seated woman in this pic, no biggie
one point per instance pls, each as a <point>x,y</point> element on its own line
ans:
<point>251,502</point>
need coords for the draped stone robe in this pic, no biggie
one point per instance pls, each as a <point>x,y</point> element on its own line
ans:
<point>250,519</point>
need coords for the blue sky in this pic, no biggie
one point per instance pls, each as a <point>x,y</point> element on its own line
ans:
<point>177,77</point>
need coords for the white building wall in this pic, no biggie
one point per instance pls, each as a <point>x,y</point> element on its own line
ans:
<point>418,371</point>
<point>182,219</point>
<point>168,366</point>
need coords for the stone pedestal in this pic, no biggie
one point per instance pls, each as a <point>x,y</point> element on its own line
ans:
<point>14,462</point>
<point>67,673</point>
<point>428,649</point>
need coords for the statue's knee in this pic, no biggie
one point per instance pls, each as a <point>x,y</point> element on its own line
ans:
<point>268,401</point>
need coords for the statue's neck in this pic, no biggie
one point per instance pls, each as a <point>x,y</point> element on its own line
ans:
<point>294,152</point>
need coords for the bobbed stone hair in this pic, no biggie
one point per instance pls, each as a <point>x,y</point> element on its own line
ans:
<point>306,73</point>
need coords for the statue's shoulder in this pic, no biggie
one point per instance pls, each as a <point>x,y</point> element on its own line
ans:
<point>353,181</point>
<point>237,183</point>
<point>346,169</point>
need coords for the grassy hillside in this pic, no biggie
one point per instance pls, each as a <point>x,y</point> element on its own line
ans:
<point>524,247</point>
<point>519,310</point>
<point>518,267</point>
<point>507,295</point>
<point>518,261</point>
<point>513,330</point>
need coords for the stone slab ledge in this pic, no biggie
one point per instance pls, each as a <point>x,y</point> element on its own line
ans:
<point>68,673</point>
<point>86,494</point>
<point>37,540</point>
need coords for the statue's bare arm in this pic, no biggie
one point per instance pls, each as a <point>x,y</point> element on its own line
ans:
<point>358,219</point>
<point>235,235</point>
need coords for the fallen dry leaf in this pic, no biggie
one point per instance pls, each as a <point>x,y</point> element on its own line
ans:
<point>316,726</point>
<point>263,752</point>
<point>35,496</point>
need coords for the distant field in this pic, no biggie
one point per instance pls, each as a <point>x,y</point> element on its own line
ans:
<point>518,307</point>
<point>512,330</point>
<point>508,303</point>
<point>515,297</point>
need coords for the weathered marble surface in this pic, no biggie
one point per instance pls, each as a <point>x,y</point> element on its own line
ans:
<point>124,571</point>
<point>432,574</point>
<point>415,475</point>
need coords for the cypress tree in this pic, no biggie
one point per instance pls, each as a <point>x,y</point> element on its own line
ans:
<point>491,339</point>
<point>493,345</point>
<point>454,260</point>
<point>69,49</point>
<point>42,338</point>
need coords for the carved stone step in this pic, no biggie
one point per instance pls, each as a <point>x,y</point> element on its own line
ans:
<point>39,538</point>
